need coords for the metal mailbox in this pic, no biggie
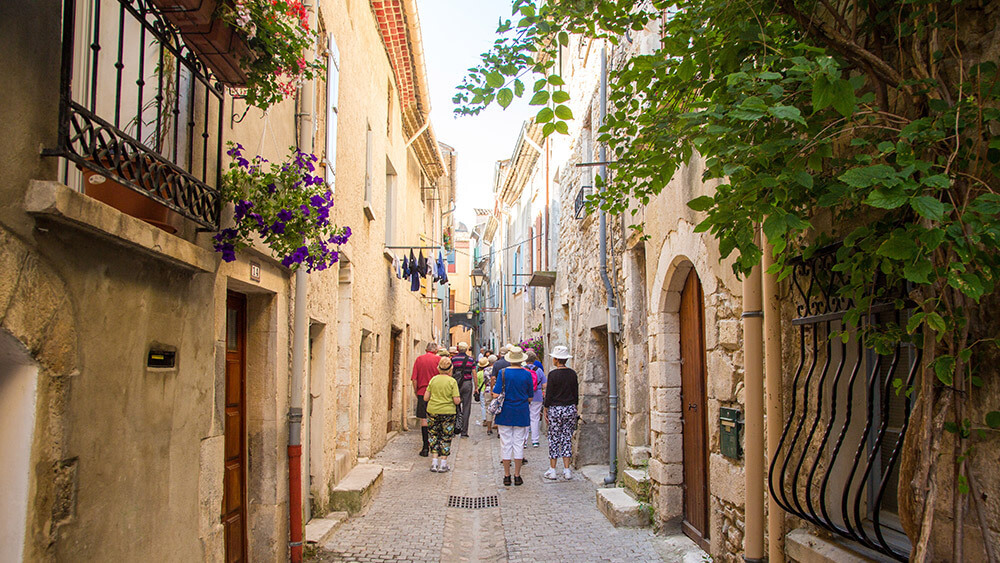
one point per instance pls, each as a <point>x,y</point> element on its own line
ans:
<point>730,431</point>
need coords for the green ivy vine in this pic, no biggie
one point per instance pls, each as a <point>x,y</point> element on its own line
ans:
<point>872,124</point>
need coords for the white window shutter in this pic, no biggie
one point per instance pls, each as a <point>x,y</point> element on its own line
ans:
<point>332,92</point>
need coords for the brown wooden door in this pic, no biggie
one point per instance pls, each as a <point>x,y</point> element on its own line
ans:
<point>391,386</point>
<point>692,317</point>
<point>234,514</point>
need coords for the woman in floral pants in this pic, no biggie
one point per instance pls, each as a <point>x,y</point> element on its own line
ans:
<point>561,397</point>
<point>441,397</point>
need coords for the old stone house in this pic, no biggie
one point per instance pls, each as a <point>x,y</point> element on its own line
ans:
<point>146,384</point>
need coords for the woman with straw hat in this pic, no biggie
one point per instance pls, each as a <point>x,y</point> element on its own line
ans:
<point>441,396</point>
<point>515,383</point>
<point>560,403</point>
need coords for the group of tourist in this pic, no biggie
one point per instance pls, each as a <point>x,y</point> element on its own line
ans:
<point>515,395</point>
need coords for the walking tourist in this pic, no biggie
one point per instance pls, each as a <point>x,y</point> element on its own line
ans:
<point>561,399</point>
<point>536,400</point>
<point>441,397</point>
<point>489,379</point>
<point>512,420</point>
<point>463,366</point>
<point>424,368</point>
<point>481,381</point>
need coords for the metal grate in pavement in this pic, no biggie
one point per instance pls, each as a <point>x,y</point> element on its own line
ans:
<point>473,502</point>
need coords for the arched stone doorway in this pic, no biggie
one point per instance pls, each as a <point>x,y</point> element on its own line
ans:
<point>18,389</point>
<point>678,418</point>
<point>38,360</point>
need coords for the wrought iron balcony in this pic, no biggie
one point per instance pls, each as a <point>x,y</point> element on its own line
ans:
<point>837,464</point>
<point>139,112</point>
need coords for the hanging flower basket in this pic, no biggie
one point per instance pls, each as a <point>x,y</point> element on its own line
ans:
<point>285,206</point>
<point>257,45</point>
<point>218,44</point>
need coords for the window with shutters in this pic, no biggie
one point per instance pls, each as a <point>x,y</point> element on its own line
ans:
<point>390,203</point>
<point>369,171</point>
<point>332,81</point>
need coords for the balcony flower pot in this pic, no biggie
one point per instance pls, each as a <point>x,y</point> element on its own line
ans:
<point>107,190</point>
<point>283,206</point>
<point>217,44</point>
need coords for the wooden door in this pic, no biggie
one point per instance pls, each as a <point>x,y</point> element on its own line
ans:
<point>692,334</point>
<point>234,514</point>
<point>393,377</point>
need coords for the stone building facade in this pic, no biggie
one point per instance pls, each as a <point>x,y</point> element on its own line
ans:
<point>679,347</point>
<point>119,337</point>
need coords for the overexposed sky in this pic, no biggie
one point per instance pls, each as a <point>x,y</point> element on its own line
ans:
<point>455,32</point>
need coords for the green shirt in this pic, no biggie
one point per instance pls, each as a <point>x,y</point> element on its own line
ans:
<point>443,389</point>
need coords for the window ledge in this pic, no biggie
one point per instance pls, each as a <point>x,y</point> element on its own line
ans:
<point>369,212</point>
<point>801,545</point>
<point>58,203</point>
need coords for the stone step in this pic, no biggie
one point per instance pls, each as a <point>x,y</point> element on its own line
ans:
<point>319,530</point>
<point>621,509</point>
<point>638,455</point>
<point>353,493</point>
<point>636,480</point>
<point>341,464</point>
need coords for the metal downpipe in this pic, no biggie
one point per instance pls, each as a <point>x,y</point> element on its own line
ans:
<point>753,348</point>
<point>300,328</point>
<point>772,378</point>
<point>609,289</point>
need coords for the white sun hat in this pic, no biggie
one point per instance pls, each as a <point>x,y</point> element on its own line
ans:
<point>561,353</point>
<point>516,355</point>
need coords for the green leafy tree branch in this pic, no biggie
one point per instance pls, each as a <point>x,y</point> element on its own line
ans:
<point>867,124</point>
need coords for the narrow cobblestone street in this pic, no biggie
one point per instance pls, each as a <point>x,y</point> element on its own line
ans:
<point>409,519</point>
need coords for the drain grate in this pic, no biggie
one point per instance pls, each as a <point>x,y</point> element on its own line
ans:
<point>473,502</point>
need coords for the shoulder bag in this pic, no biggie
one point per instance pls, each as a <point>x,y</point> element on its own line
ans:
<point>496,405</point>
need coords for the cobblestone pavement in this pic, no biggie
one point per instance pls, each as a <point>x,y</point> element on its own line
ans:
<point>409,519</point>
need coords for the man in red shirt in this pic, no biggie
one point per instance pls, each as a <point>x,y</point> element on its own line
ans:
<point>424,368</point>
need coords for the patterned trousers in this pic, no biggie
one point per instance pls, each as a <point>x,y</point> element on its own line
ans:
<point>440,428</point>
<point>562,424</point>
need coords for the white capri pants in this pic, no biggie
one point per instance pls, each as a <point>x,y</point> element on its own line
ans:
<point>512,441</point>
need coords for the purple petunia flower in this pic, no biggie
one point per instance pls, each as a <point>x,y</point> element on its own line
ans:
<point>285,215</point>
<point>242,207</point>
<point>278,228</point>
<point>305,210</point>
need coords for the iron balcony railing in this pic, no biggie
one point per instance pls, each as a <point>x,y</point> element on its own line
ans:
<point>836,464</point>
<point>139,108</point>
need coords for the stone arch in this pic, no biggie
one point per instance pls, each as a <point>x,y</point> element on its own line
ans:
<point>682,251</point>
<point>37,318</point>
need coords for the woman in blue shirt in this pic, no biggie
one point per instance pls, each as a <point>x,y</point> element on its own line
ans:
<point>512,421</point>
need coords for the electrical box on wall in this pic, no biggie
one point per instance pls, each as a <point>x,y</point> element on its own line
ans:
<point>161,358</point>
<point>730,430</point>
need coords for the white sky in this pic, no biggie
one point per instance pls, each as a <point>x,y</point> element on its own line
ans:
<point>455,32</point>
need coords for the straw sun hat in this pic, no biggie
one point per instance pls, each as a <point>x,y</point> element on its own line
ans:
<point>516,355</point>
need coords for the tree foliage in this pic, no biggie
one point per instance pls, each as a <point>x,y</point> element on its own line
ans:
<point>866,123</point>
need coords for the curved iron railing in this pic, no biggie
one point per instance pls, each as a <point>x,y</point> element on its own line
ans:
<point>836,464</point>
<point>143,111</point>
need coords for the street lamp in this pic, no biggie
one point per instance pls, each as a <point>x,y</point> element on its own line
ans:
<point>478,277</point>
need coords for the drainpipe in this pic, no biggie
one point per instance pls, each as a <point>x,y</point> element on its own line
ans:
<point>610,290</point>
<point>772,377</point>
<point>300,326</point>
<point>753,539</point>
